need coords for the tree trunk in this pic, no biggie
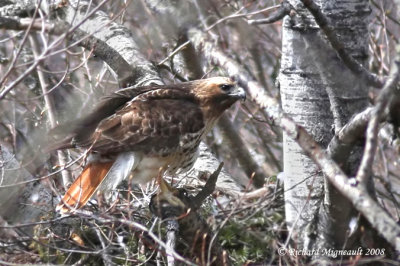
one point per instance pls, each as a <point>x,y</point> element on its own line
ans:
<point>321,94</point>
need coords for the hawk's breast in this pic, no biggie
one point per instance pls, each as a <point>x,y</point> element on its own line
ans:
<point>187,153</point>
<point>189,149</point>
<point>174,161</point>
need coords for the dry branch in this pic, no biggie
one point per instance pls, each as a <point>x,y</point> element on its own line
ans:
<point>283,10</point>
<point>343,141</point>
<point>359,197</point>
<point>364,172</point>
<point>192,227</point>
<point>324,23</point>
<point>113,43</point>
<point>255,91</point>
<point>193,64</point>
<point>229,132</point>
<point>49,106</point>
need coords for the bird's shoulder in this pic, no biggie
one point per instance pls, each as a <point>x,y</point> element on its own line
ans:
<point>153,122</point>
<point>113,110</point>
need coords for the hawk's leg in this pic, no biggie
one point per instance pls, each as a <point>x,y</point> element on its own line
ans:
<point>193,229</point>
<point>167,192</point>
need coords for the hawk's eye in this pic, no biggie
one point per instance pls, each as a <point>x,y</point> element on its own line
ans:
<point>226,87</point>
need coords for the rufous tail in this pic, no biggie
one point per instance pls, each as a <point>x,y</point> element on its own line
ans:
<point>83,188</point>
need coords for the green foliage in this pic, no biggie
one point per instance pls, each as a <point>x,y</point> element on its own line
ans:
<point>250,239</point>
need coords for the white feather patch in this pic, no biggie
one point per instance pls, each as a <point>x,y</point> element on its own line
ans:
<point>124,164</point>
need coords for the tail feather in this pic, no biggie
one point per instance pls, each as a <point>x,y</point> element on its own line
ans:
<point>83,188</point>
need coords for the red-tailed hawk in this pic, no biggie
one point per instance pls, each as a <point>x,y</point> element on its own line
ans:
<point>141,130</point>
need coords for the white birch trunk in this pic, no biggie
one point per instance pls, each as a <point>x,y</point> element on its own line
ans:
<point>319,93</point>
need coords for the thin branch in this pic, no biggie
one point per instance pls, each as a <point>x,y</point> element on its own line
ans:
<point>326,26</point>
<point>343,141</point>
<point>378,218</point>
<point>241,151</point>
<point>192,228</point>
<point>124,63</point>
<point>106,258</point>
<point>174,52</point>
<point>208,188</point>
<point>284,9</point>
<point>172,230</point>
<point>46,52</point>
<point>358,195</point>
<point>21,45</point>
<point>12,23</point>
<point>255,91</point>
<point>373,126</point>
<point>49,106</point>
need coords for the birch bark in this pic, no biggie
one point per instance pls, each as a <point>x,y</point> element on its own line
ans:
<point>321,94</point>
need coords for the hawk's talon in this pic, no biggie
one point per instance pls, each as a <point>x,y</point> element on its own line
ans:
<point>139,130</point>
<point>168,193</point>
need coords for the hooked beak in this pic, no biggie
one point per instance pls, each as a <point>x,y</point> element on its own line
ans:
<point>238,93</point>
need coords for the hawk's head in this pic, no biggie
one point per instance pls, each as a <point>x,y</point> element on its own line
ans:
<point>217,94</point>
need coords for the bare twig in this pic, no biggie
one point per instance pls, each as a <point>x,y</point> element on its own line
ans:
<point>192,228</point>
<point>284,9</point>
<point>358,195</point>
<point>174,52</point>
<point>106,258</point>
<point>100,48</point>
<point>255,194</point>
<point>29,26</point>
<point>373,126</point>
<point>108,219</point>
<point>324,23</point>
<point>172,230</point>
<point>343,141</point>
<point>12,23</point>
<point>208,188</point>
<point>49,106</point>
<point>45,53</point>
<point>237,14</point>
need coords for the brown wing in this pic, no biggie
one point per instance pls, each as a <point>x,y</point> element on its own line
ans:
<point>81,130</point>
<point>64,136</point>
<point>152,122</point>
<point>154,126</point>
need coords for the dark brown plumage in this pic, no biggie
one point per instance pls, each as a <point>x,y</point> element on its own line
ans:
<point>142,130</point>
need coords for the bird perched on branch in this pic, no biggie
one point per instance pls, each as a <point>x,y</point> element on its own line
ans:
<point>144,132</point>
